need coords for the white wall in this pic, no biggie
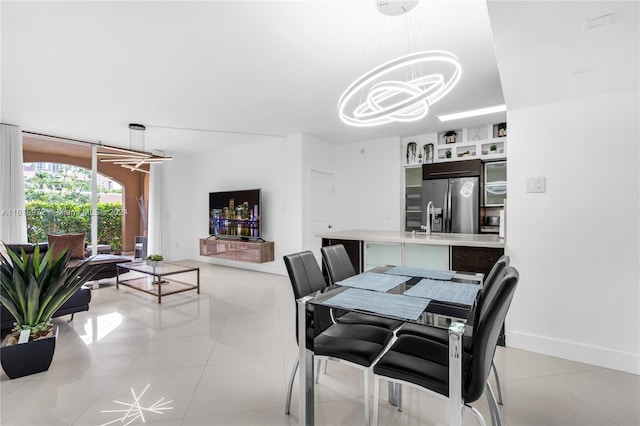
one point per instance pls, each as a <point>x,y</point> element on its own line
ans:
<point>273,165</point>
<point>180,205</point>
<point>369,184</point>
<point>367,179</point>
<point>577,245</point>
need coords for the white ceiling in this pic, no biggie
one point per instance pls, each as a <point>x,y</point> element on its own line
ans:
<point>235,68</point>
<point>550,51</point>
<point>246,71</point>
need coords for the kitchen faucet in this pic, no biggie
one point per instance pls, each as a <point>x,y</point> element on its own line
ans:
<point>429,225</point>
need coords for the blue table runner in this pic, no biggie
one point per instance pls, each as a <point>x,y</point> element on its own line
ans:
<point>373,281</point>
<point>445,291</point>
<point>436,274</point>
<point>395,305</point>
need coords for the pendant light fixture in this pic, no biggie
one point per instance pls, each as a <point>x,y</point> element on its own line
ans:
<point>402,89</point>
<point>134,157</point>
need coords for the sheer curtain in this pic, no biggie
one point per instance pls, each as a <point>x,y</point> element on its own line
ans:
<point>156,242</point>
<point>13,221</point>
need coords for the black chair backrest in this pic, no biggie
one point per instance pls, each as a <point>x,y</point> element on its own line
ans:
<point>306,278</point>
<point>486,336</point>
<point>488,292</point>
<point>337,262</point>
<point>489,289</point>
<point>305,274</point>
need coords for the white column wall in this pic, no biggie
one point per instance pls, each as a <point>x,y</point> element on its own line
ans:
<point>369,185</point>
<point>157,242</point>
<point>577,245</point>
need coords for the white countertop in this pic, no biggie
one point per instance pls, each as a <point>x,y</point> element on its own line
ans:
<point>436,239</point>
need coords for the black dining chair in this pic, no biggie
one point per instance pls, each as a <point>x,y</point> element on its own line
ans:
<point>487,294</point>
<point>424,363</point>
<point>338,262</point>
<point>357,345</point>
<point>339,266</point>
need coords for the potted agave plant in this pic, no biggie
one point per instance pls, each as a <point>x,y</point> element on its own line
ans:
<point>32,290</point>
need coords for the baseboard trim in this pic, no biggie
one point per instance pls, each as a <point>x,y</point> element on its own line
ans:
<point>602,357</point>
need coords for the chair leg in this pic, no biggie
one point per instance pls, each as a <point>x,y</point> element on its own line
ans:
<point>498,387</point>
<point>367,419</point>
<point>476,413</point>
<point>287,405</point>
<point>376,399</point>
<point>399,396</point>
<point>70,319</point>
<point>496,420</point>
<point>491,403</point>
<point>318,366</point>
<point>392,394</point>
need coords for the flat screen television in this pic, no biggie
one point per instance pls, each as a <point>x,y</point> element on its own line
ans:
<point>235,214</point>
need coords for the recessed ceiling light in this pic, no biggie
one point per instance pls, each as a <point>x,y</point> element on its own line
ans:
<point>473,113</point>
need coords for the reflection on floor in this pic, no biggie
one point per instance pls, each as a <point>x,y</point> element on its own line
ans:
<point>223,358</point>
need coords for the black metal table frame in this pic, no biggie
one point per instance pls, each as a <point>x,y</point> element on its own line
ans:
<point>157,277</point>
<point>306,373</point>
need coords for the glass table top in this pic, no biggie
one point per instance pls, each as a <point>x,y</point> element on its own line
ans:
<point>164,268</point>
<point>392,302</point>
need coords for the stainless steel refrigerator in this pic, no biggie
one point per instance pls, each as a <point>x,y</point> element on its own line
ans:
<point>456,203</point>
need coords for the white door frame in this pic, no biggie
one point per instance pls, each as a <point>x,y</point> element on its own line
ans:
<point>309,243</point>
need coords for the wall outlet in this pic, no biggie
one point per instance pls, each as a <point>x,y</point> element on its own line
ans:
<point>537,184</point>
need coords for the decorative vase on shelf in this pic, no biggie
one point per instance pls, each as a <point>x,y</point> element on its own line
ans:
<point>428,153</point>
<point>450,137</point>
<point>502,130</point>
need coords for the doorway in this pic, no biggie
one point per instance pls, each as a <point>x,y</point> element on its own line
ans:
<point>321,208</point>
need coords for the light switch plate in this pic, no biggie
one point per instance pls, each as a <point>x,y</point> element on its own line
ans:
<point>537,184</point>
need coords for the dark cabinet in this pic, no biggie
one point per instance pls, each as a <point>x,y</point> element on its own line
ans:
<point>474,259</point>
<point>467,168</point>
<point>477,259</point>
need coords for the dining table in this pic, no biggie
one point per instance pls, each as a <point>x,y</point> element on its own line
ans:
<point>430,297</point>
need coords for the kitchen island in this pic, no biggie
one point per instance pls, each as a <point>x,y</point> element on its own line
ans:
<point>461,252</point>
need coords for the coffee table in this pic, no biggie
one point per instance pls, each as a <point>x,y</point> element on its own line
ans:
<point>154,280</point>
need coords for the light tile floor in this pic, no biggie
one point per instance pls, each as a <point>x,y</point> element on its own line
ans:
<point>223,358</point>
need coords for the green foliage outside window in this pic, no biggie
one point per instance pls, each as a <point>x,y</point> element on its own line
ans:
<point>70,184</point>
<point>58,201</point>
<point>63,218</point>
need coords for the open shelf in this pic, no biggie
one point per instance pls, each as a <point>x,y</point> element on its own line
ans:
<point>471,143</point>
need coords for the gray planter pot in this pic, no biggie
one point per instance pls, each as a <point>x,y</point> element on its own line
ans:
<point>28,358</point>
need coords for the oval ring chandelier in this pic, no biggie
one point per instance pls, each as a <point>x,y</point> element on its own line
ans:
<point>384,98</point>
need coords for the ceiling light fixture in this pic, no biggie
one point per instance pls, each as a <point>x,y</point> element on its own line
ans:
<point>135,157</point>
<point>136,136</point>
<point>473,113</point>
<point>388,100</point>
<point>402,89</point>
